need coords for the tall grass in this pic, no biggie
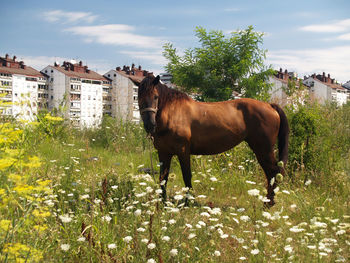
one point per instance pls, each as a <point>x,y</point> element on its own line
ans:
<point>89,198</point>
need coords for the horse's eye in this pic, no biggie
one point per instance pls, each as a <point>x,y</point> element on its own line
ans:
<point>155,97</point>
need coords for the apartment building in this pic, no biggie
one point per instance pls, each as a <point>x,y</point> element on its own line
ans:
<point>323,88</point>
<point>78,91</point>
<point>125,90</point>
<point>279,91</point>
<point>23,89</point>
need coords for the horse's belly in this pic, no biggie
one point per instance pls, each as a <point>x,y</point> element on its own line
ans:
<point>212,145</point>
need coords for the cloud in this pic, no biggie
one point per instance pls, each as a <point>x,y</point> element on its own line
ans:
<point>155,57</point>
<point>116,34</point>
<point>333,27</point>
<point>69,17</point>
<point>334,61</point>
<point>40,62</point>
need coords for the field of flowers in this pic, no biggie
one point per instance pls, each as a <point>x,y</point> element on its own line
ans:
<point>90,196</point>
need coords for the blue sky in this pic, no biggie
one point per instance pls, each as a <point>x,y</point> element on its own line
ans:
<point>303,36</point>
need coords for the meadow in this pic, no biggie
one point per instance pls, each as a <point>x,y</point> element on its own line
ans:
<point>70,195</point>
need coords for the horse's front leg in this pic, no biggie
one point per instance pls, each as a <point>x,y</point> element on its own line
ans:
<point>185,163</point>
<point>165,160</point>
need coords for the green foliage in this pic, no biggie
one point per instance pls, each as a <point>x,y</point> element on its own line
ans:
<point>221,65</point>
<point>319,137</point>
<point>51,126</point>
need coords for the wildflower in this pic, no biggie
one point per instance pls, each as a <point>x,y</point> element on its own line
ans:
<point>149,189</point>
<point>5,224</point>
<point>151,246</point>
<point>137,212</point>
<point>308,182</point>
<point>172,221</point>
<point>255,251</point>
<point>151,260</point>
<point>159,191</point>
<point>166,238</point>
<point>250,182</point>
<point>112,246</point>
<point>86,196</point>
<point>65,247</point>
<point>173,252</point>
<point>178,197</point>
<point>205,214</point>
<point>340,232</point>
<point>253,192</point>
<point>317,224</point>
<point>65,218</point>
<point>288,248</point>
<point>295,229</point>
<point>311,247</point>
<point>81,239</point>
<point>106,218</point>
<point>213,179</point>
<point>242,258</point>
<point>245,218</point>
<point>114,187</point>
<point>240,167</point>
<point>140,229</point>
<point>201,196</point>
<point>144,240</point>
<point>217,253</point>
<point>127,239</point>
<point>192,235</point>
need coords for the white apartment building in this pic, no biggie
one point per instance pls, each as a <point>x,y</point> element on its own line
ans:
<point>322,88</point>
<point>280,81</point>
<point>78,90</point>
<point>125,90</point>
<point>24,90</point>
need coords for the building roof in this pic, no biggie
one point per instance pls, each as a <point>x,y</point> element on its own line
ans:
<point>78,71</point>
<point>335,86</point>
<point>11,66</point>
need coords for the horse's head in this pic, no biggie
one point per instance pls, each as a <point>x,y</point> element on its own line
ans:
<point>148,102</point>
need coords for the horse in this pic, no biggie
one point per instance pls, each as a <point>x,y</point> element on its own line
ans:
<point>182,126</point>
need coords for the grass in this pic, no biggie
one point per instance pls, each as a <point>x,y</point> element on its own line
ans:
<point>104,208</point>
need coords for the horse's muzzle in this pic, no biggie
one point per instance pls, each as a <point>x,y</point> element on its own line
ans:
<point>149,127</point>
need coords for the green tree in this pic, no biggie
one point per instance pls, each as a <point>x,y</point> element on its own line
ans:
<point>221,65</point>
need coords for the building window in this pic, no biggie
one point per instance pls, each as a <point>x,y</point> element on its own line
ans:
<point>52,97</point>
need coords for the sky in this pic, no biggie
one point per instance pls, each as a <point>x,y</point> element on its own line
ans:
<point>302,36</point>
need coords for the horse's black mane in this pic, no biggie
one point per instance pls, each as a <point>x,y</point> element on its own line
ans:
<point>166,94</point>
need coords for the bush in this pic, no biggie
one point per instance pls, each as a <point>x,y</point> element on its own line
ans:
<point>320,137</point>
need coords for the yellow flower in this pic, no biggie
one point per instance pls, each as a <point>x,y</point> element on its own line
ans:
<point>40,213</point>
<point>5,225</point>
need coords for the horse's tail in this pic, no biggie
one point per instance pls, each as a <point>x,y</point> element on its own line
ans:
<point>283,134</point>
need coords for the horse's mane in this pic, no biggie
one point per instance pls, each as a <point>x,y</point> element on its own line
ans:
<point>166,94</point>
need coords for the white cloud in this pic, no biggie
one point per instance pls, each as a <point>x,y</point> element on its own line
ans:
<point>333,27</point>
<point>116,34</point>
<point>334,61</point>
<point>40,62</point>
<point>69,17</point>
<point>155,58</point>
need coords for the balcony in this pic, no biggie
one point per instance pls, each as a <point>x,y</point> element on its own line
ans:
<point>75,97</point>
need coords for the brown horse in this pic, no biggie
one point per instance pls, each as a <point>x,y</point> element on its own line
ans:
<point>181,126</point>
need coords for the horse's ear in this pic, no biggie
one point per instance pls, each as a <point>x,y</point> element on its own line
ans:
<point>156,80</point>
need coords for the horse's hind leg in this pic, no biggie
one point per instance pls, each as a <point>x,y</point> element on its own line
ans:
<point>268,162</point>
<point>165,160</point>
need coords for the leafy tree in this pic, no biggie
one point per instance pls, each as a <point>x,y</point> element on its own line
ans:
<point>221,65</point>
